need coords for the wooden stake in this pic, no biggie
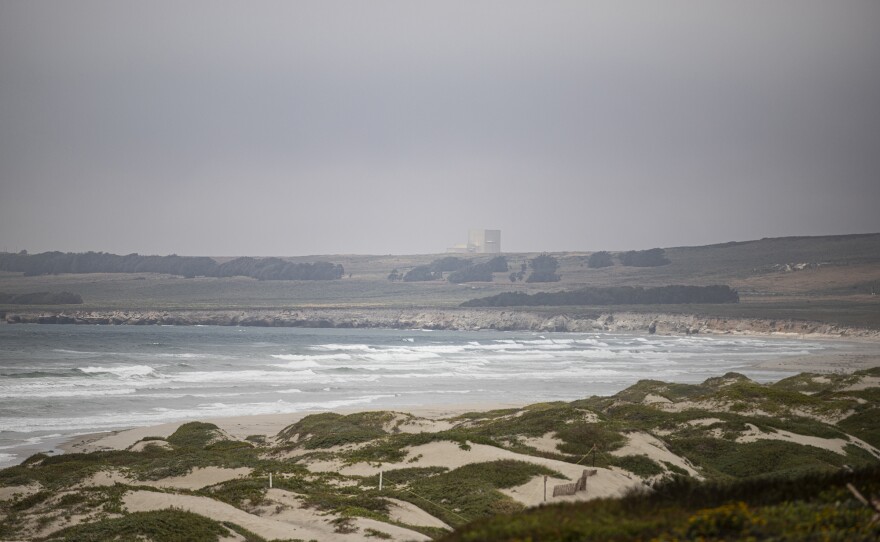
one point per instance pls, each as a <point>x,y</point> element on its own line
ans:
<point>380,480</point>
<point>545,488</point>
<point>873,504</point>
<point>270,480</point>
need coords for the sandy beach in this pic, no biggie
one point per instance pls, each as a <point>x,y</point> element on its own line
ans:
<point>862,355</point>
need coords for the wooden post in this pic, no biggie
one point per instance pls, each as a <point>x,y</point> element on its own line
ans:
<point>545,488</point>
<point>270,480</point>
<point>873,503</point>
<point>380,480</point>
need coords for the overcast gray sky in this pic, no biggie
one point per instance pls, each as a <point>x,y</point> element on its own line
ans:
<point>290,128</point>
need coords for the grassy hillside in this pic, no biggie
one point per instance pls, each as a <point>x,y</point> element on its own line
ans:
<point>837,291</point>
<point>809,507</point>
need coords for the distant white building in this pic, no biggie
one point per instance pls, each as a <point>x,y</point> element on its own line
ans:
<point>480,242</point>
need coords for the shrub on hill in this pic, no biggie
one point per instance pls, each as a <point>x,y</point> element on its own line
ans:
<point>421,273</point>
<point>815,506</point>
<point>544,269</point>
<point>449,263</point>
<point>654,257</point>
<point>498,264</point>
<point>619,295</point>
<point>460,269</point>
<point>330,429</point>
<point>480,272</point>
<point>170,525</point>
<point>600,259</point>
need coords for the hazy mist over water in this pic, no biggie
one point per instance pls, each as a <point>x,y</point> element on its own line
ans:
<point>288,128</point>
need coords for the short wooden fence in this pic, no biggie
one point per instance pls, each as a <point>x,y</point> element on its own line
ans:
<point>574,487</point>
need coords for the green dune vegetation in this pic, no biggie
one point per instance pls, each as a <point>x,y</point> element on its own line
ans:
<point>728,459</point>
<point>812,506</point>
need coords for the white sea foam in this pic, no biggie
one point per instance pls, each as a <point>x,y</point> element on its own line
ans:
<point>309,370</point>
<point>362,347</point>
<point>182,395</point>
<point>438,348</point>
<point>316,357</point>
<point>440,392</point>
<point>248,376</point>
<point>302,364</point>
<point>122,371</point>
<point>391,357</point>
<point>57,394</point>
<point>185,355</point>
<point>421,375</point>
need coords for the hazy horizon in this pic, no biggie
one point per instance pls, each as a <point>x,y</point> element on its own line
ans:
<point>443,252</point>
<point>318,128</point>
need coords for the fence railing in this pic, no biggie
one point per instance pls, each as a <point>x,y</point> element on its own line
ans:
<point>574,487</point>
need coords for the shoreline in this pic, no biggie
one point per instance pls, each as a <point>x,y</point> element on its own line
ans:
<point>268,425</point>
<point>854,353</point>
<point>219,487</point>
<point>458,319</point>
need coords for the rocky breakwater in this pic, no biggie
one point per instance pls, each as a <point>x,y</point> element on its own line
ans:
<point>451,319</point>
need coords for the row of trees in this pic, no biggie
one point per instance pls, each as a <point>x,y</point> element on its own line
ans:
<point>653,257</point>
<point>278,269</point>
<point>54,263</point>
<point>617,295</point>
<point>460,270</point>
<point>543,267</point>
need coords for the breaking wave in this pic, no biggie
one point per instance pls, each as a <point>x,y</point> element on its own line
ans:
<point>122,371</point>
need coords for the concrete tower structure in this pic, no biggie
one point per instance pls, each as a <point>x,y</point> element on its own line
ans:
<point>484,241</point>
<point>479,242</point>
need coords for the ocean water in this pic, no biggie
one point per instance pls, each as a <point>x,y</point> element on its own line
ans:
<point>58,381</point>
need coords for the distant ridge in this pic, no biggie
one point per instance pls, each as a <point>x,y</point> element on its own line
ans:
<point>842,237</point>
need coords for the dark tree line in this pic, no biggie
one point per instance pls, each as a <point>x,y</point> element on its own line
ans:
<point>460,270</point>
<point>479,272</point>
<point>41,298</point>
<point>54,263</point>
<point>278,269</point>
<point>617,295</point>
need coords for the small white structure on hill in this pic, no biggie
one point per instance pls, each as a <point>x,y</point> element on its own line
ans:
<point>480,242</point>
